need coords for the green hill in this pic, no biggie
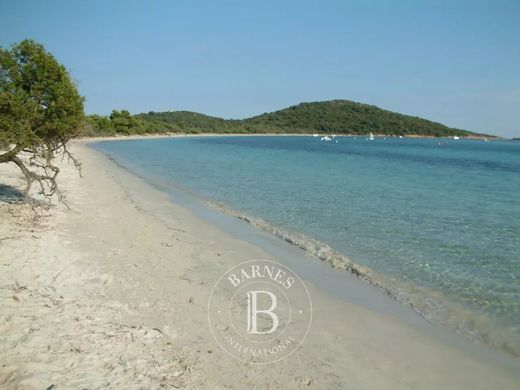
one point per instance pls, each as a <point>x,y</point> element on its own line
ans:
<point>188,121</point>
<point>346,117</point>
<point>336,116</point>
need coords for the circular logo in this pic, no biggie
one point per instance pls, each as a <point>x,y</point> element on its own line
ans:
<point>259,311</point>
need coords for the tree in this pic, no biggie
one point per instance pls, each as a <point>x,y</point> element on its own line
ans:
<point>101,122</point>
<point>40,111</point>
<point>124,123</point>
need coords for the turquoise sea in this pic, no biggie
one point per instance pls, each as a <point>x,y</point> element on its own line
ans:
<point>434,222</point>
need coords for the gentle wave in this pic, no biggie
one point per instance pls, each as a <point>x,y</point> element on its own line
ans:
<point>431,305</point>
<point>482,309</point>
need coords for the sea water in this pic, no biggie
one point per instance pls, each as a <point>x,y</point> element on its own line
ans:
<point>434,222</point>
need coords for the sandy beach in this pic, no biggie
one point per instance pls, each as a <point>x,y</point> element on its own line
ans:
<point>112,292</point>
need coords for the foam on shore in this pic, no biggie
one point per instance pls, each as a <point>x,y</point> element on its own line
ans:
<point>431,305</point>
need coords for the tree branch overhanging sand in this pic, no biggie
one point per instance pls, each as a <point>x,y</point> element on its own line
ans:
<point>40,111</point>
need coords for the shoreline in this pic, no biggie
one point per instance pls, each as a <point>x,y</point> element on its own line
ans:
<point>432,306</point>
<point>418,300</point>
<point>371,283</point>
<point>128,260</point>
<point>177,135</point>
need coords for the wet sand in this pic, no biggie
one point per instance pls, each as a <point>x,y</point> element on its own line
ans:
<point>113,293</point>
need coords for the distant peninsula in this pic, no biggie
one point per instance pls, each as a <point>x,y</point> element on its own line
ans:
<point>343,117</point>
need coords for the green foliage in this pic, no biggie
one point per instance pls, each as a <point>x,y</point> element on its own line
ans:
<point>99,123</point>
<point>124,123</point>
<point>191,122</point>
<point>337,116</point>
<point>118,123</point>
<point>40,111</point>
<point>39,103</point>
<point>346,117</point>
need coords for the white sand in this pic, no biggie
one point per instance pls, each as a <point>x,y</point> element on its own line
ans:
<point>109,295</point>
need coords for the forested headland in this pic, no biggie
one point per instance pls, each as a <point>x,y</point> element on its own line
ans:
<point>328,117</point>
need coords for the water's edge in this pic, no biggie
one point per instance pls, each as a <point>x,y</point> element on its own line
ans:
<point>403,293</point>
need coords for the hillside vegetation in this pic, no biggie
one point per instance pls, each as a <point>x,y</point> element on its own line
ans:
<point>336,116</point>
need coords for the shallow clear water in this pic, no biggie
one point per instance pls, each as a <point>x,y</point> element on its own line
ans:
<point>439,218</point>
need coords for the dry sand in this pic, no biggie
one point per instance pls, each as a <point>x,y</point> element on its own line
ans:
<point>113,292</point>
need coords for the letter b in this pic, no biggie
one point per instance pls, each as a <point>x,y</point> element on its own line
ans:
<point>253,311</point>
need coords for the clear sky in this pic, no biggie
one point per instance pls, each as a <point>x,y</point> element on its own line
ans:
<point>456,62</point>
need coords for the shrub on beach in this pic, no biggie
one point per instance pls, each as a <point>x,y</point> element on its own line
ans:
<point>40,111</point>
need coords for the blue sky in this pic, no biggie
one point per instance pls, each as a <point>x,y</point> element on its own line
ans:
<point>456,62</point>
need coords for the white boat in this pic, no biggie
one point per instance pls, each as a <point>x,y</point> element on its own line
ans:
<point>456,137</point>
<point>326,138</point>
<point>315,135</point>
<point>400,136</point>
<point>371,137</point>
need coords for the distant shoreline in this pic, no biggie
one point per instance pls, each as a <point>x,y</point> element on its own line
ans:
<point>181,135</point>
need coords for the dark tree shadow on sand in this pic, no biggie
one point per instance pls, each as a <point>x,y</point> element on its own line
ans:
<point>10,194</point>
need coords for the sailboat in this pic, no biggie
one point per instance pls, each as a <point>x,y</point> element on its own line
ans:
<point>371,137</point>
